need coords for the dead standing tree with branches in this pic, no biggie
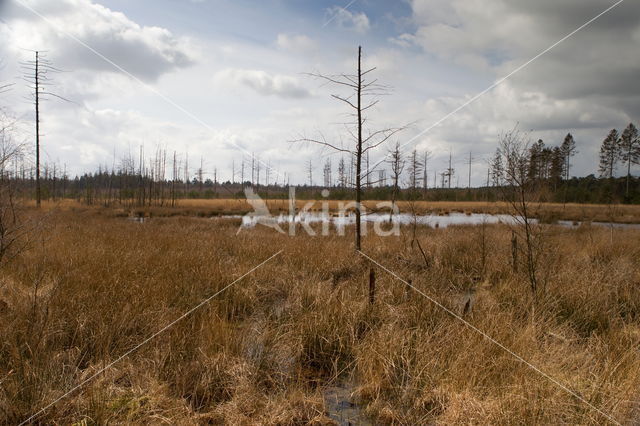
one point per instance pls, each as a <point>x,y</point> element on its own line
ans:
<point>396,162</point>
<point>363,95</point>
<point>36,74</point>
<point>10,152</point>
<point>12,226</point>
<point>521,192</point>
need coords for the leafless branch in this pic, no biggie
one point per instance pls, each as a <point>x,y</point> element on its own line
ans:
<point>322,142</point>
<point>345,101</point>
<point>387,133</point>
<point>333,80</point>
<point>372,104</point>
<point>368,71</point>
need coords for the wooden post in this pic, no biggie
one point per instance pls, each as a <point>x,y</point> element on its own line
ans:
<point>514,251</point>
<point>407,289</point>
<point>372,286</point>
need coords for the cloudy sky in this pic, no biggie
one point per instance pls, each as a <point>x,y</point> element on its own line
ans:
<point>219,79</point>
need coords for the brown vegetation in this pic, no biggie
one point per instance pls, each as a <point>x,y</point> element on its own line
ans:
<point>264,350</point>
<point>547,212</point>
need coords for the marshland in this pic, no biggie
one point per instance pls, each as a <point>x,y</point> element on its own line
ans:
<point>421,212</point>
<point>92,285</point>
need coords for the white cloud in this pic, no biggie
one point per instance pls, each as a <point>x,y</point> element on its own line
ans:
<point>358,21</point>
<point>504,34</point>
<point>263,82</point>
<point>471,32</point>
<point>450,51</point>
<point>582,85</point>
<point>145,51</point>
<point>295,42</point>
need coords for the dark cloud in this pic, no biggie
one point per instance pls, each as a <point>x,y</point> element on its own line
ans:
<point>588,81</point>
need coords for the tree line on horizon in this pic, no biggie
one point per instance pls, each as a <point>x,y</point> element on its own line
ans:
<point>146,183</point>
<point>402,176</point>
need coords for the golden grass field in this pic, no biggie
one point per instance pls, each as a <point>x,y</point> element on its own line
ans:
<point>93,285</point>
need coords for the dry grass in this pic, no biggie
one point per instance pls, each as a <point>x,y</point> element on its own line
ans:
<point>549,211</point>
<point>262,352</point>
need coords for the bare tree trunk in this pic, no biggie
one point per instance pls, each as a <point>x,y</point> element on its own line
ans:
<point>628,171</point>
<point>531,261</point>
<point>38,194</point>
<point>394,195</point>
<point>372,286</point>
<point>359,153</point>
<point>361,89</point>
<point>514,251</point>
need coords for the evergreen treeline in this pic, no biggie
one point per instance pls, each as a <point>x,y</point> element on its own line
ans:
<point>105,188</point>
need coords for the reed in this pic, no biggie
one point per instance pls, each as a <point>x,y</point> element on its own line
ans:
<point>96,284</point>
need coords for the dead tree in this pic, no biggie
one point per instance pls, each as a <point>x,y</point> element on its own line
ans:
<point>469,162</point>
<point>326,173</point>
<point>368,171</point>
<point>372,286</point>
<point>5,88</point>
<point>397,163</point>
<point>415,169</point>
<point>37,74</point>
<point>242,173</point>
<point>521,192</point>
<point>253,169</point>
<point>12,227</point>
<point>450,171</point>
<point>382,178</point>
<point>174,179</point>
<point>425,179</point>
<point>362,95</point>
<point>258,163</point>
<point>186,174</point>
<point>200,174</point>
<point>215,182</point>
<point>310,173</point>
<point>267,174</point>
<point>233,172</point>
<point>342,173</point>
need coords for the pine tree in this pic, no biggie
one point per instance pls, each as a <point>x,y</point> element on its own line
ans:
<point>497,169</point>
<point>557,167</point>
<point>609,154</point>
<point>630,150</point>
<point>534,171</point>
<point>545,162</point>
<point>568,148</point>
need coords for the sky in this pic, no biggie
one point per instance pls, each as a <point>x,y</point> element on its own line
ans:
<point>218,80</point>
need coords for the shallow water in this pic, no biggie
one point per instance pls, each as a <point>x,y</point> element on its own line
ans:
<point>401,218</point>
<point>435,221</point>
<point>340,406</point>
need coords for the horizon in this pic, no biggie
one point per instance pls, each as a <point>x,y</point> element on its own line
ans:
<point>219,89</point>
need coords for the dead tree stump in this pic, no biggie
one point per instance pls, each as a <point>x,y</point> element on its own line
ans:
<point>372,286</point>
<point>514,251</point>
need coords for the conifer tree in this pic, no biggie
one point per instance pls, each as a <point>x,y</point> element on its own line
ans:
<point>630,150</point>
<point>609,154</point>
